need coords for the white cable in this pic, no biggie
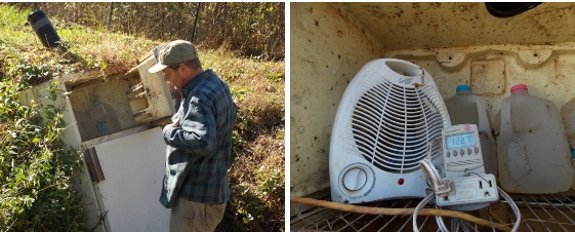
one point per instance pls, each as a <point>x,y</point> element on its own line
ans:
<point>445,187</point>
<point>422,203</point>
<point>440,223</point>
<point>514,207</point>
<point>438,185</point>
<point>510,202</point>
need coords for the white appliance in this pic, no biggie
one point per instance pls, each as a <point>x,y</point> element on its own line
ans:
<point>390,117</point>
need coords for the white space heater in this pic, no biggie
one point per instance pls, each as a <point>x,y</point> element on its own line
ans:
<point>390,117</point>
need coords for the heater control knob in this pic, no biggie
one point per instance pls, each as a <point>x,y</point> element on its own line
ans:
<point>354,179</point>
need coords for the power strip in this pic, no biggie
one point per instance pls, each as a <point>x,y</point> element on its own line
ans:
<point>464,186</point>
<point>469,192</point>
<point>461,193</point>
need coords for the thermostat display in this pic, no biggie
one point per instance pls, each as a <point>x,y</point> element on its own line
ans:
<point>460,141</point>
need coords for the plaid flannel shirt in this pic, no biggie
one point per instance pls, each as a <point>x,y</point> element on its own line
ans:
<point>198,153</point>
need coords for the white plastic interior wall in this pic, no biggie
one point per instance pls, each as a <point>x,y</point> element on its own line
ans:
<point>458,43</point>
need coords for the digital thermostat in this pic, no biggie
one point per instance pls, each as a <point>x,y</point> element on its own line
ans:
<point>462,150</point>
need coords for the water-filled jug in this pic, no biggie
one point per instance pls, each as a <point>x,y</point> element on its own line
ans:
<point>532,149</point>
<point>466,108</point>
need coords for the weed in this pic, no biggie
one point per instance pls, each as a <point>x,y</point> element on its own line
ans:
<point>269,181</point>
<point>31,74</point>
<point>35,168</point>
<point>239,93</point>
<point>275,76</point>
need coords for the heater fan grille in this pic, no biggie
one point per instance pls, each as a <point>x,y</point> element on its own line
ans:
<point>394,127</point>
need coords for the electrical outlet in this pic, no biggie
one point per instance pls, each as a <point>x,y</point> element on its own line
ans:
<point>470,192</point>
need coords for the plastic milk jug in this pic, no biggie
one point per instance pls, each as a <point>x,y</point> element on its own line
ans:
<point>465,108</point>
<point>533,152</point>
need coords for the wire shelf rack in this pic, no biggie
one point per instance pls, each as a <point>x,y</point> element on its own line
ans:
<point>554,212</point>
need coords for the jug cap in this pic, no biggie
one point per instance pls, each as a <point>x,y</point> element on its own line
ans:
<point>519,87</point>
<point>463,88</point>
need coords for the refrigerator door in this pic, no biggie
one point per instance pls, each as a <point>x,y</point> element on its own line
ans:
<point>133,166</point>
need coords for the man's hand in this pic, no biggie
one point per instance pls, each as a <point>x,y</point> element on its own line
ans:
<point>176,122</point>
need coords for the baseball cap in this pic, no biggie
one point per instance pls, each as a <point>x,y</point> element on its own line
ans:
<point>175,52</point>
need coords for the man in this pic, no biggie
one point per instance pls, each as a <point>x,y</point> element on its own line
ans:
<point>199,140</point>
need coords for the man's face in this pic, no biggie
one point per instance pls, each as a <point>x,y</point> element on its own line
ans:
<point>172,76</point>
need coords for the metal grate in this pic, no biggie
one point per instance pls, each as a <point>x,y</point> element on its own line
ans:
<point>539,213</point>
<point>393,125</point>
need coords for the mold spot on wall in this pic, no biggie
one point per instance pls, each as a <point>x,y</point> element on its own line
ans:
<point>564,68</point>
<point>297,99</point>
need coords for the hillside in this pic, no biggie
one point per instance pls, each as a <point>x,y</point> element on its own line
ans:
<point>257,174</point>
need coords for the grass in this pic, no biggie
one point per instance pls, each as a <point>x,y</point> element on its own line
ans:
<point>257,174</point>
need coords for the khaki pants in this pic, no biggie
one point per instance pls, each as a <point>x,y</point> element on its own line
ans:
<point>192,216</point>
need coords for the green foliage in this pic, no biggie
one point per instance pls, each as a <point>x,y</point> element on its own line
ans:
<point>239,93</point>
<point>246,216</point>
<point>31,74</point>
<point>269,181</point>
<point>12,18</point>
<point>258,207</point>
<point>275,77</point>
<point>35,168</point>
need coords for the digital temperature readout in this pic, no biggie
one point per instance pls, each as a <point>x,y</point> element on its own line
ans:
<point>460,141</point>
